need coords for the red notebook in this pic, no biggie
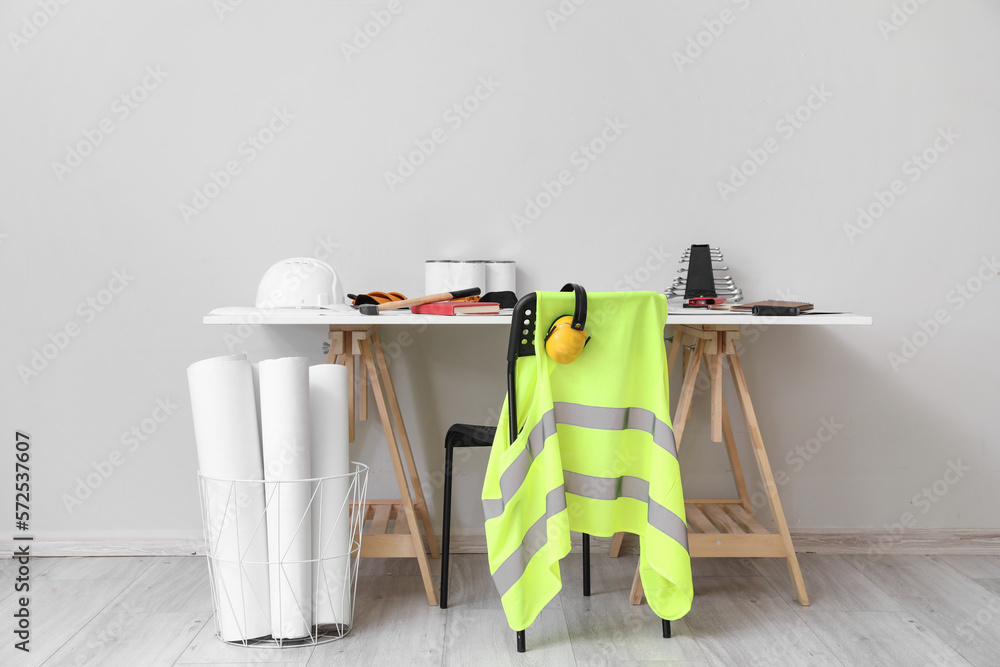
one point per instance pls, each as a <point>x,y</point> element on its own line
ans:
<point>457,308</point>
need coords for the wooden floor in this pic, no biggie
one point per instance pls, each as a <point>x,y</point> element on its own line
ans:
<point>897,610</point>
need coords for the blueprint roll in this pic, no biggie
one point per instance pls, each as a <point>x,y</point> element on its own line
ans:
<point>467,274</point>
<point>284,420</point>
<point>437,274</point>
<point>500,276</point>
<point>228,443</point>
<point>255,369</point>
<point>331,509</point>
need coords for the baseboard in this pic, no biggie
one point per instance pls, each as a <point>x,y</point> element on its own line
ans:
<point>62,548</point>
<point>927,541</point>
<point>969,542</point>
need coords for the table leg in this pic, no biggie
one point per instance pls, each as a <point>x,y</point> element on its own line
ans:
<point>635,595</point>
<point>734,460</point>
<point>771,489</point>
<point>404,442</point>
<point>715,370</point>
<point>686,356</point>
<point>675,347</point>
<point>616,545</point>
<point>687,391</point>
<point>336,347</point>
<point>349,360</point>
<point>363,392</point>
<point>366,346</point>
<point>738,535</point>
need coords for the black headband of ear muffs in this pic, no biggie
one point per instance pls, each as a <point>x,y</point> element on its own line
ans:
<point>580,310</point>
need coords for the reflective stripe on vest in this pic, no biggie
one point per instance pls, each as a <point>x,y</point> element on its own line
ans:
<point>588,486</point>
<point>515,565</point>
<point>659,516</point>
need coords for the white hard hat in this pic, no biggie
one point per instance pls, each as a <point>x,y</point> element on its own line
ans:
<point>301,282</point>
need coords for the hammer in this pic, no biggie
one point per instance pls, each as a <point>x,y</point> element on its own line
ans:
<point>373,309</point>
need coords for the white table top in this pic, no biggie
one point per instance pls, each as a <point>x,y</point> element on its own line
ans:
<point>248,315</point>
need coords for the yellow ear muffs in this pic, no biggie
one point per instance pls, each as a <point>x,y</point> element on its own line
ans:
<point>564,343</point>
<point>567,336</point>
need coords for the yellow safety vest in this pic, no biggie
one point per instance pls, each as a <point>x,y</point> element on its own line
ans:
<point>595,453</point>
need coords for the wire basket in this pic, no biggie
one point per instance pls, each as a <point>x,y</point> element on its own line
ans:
<point>283,557</point>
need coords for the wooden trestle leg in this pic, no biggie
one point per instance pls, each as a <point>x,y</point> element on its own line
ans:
<point>410,510</point>
<point>725,527</point>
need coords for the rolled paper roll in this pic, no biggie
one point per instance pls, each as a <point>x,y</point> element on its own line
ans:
<point>284,417</point>
<point>331,509</point>
<point>225,427</point>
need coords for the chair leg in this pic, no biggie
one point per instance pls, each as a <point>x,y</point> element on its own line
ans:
<point>446,525</point>
<point>586,588</point>
<point>666,629</point>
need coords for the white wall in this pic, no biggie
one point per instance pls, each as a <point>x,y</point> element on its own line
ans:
<point>322,181</point>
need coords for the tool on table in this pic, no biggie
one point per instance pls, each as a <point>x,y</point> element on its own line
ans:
<point>374,309</point>
<point>375,297</point>
<point>700,277</point>
<point>505,298</point>
<point>568,335</point>
<point>705,301</point>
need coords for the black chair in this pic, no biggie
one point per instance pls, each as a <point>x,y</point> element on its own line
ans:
<point>459,435</point>
<point>520,344</point>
